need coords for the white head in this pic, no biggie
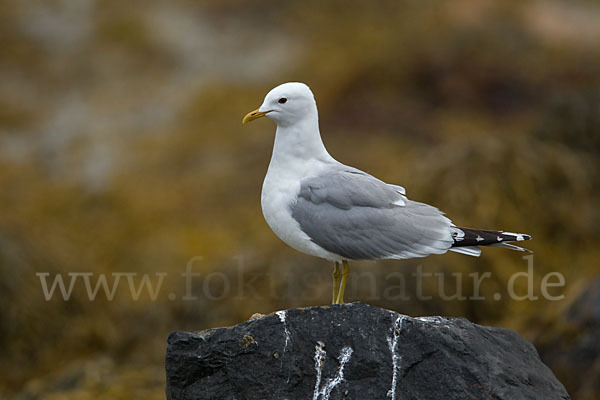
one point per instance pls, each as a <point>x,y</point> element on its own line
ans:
<point>286,104</point>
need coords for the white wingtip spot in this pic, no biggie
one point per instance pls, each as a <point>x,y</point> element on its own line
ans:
<point>458,234</point>
<point>518,236</point>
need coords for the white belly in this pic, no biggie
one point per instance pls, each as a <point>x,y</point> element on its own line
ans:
<point>278,193</point>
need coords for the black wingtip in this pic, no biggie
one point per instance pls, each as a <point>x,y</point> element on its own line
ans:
<point>482,237</point>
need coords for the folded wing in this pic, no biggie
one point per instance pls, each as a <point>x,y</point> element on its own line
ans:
<point>357,216</point>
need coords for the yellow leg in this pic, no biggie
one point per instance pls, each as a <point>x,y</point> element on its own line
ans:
<point>345,271</point>
<point>336,281</point>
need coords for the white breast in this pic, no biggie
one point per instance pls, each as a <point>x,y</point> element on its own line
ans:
<point>280,190</point>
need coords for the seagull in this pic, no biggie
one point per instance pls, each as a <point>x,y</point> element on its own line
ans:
<point>326,209</point>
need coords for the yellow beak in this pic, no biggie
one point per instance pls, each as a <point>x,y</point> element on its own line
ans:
<point>252,115</point>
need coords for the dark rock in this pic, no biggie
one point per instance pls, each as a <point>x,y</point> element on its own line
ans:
<point>356,351</point>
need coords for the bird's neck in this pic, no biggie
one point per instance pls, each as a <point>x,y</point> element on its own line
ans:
<point>298,143</point>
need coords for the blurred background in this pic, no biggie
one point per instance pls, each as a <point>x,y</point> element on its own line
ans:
<point>122,151</point>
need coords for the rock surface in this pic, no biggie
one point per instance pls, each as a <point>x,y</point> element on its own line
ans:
<point>356,351</point>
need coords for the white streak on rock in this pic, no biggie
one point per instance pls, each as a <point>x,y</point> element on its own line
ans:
<point>319,361</point>
<point>282,315</point>
<point>396,359</point>
<point>343,358</point>
<point>435,320</point>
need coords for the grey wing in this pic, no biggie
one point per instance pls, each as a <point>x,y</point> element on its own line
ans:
<point>357,216</point>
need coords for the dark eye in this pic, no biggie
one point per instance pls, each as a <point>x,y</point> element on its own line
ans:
<point>282,100</point>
